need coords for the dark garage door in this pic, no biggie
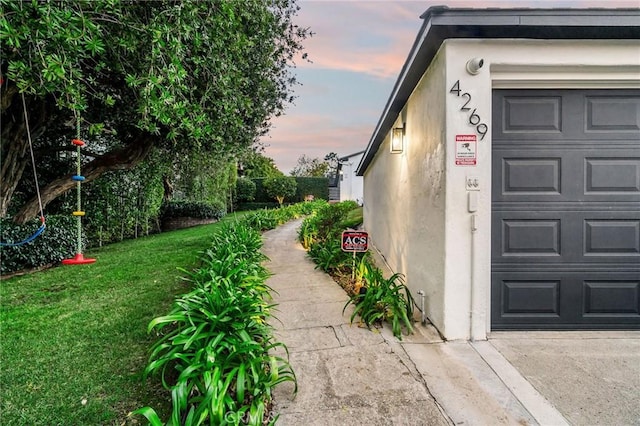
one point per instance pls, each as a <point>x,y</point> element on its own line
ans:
<point>566,209</point>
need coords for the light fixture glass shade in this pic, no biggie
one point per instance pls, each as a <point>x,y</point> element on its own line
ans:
<point>397,140</point>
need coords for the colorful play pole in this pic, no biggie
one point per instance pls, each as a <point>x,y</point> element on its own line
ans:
<point>79,258</point>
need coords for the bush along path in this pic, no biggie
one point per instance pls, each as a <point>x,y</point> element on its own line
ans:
<point>215,348</point>
<point>375,299</point>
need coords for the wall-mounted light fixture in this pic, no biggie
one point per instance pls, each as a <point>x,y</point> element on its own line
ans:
<point>397,139</point>
<point>474,65</point>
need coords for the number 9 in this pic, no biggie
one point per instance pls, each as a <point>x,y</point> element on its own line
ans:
<point>482,130</point>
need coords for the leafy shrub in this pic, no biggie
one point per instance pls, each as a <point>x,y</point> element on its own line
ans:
<point>192,209</point>
<point>57,242</point>
<point>280,187</point>
<point>245,190</point>
<point>328,223</point>
<point>329,256</point>
<point>308,233</point>
<point>261,220</point>
<point>309,207</point>
<point>214,350</point>
<point>257,206</point>
<point>381,299</point>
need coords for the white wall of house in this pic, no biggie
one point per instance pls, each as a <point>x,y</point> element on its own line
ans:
<point>416,203</point>
<point>405,194</point>
<point>351,186</point>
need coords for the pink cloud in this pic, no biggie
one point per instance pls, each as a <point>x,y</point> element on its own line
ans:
<point>343,29</point>
<point>360,37</point>
<point>314,136</point>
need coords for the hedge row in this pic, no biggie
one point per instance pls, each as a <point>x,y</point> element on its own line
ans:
<point>192,209</point>
<point>57,242</point>
<point>316,186</point>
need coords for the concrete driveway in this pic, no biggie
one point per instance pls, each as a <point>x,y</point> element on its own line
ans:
<point>592,378</point>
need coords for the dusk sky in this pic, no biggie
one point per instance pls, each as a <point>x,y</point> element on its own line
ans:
<point>357,51</point>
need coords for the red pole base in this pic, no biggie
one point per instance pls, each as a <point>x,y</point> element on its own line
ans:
<point>79,259</point>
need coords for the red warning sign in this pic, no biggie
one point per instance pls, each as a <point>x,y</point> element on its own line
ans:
<point>466,150</point>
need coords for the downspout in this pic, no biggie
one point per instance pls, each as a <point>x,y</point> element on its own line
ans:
<point>473,188</point>
<point>472,312</point>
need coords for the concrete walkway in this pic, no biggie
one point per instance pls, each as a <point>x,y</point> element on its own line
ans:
<point>349,375</point>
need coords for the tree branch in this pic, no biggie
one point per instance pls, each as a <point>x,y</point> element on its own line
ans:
<point>119,159</point>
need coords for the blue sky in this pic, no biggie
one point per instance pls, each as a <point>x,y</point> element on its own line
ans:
<point>356,54</point>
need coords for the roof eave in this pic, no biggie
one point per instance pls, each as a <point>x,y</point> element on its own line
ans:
<point>441,23</point>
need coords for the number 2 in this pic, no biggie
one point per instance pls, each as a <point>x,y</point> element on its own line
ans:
<point>464,107</point>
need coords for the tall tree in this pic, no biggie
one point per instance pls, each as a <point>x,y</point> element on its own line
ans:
<point>256,165</point>
<point>310,167</point>
<point>332,161</point>
<point>185,78</point>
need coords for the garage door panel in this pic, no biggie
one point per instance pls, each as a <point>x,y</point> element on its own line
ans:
<point>561,300</point>
<point>526,298</point>
<point>612,175</point>
<point>531,175</point>
<point>527,237</point>
<point>612,114</point>
<point>612,237</point>
<point>594,238</point>
<point>525,176</point>
<point>611,298</point>
<point>566,209</point>
<point>566,175</point>
<point>540,114</point>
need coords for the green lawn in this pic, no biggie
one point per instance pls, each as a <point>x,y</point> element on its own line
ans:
<point>73,338</point>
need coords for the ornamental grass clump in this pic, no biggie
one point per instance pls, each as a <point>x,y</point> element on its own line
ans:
<point>215,348</point>
<point>382,299</point>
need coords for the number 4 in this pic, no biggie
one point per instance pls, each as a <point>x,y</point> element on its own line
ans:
<point>456,88</point>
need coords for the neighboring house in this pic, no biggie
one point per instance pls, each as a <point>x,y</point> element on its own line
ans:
<point>351,185</point>
<point>334,188</point>
<point>513,197</point>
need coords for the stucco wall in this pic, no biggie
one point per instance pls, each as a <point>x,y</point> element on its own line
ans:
<point>351,186</point>
<point>408,196</point>
<point>404,195</point>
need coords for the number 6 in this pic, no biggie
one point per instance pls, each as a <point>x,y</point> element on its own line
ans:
<point>474,119</point>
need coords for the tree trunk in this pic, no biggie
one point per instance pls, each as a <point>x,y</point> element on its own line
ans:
<point>168,188</point>
<point>14,143</point>
<point>122,158</point>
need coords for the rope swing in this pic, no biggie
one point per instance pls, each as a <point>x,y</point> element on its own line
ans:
<point>35,176</point>
<point>79,258</point>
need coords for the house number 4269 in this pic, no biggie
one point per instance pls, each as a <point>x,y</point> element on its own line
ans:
<point>474,118</point>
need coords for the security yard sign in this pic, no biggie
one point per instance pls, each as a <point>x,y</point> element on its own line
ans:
<point>355,241</point>
<point>466,150</point>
